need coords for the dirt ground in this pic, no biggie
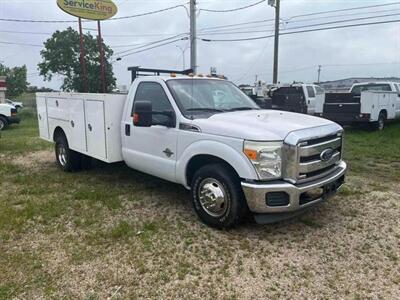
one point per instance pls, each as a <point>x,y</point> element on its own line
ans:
<point>150,244</point>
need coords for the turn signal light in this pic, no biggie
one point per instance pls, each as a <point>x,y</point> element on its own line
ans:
<point>251,154</point>
<point>173,74</point>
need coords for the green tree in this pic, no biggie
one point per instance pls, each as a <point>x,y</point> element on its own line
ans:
<point>61,56</point>
<point>15,79</point>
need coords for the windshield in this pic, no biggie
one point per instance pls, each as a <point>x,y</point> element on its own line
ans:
<point>199,96</point>
<point>370,87</point>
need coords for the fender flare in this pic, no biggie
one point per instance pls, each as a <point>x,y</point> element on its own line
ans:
<point>237,160</point>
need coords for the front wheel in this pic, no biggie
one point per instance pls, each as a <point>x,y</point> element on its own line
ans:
<point>3,123</point>
<point>217,196</point>
<point>67,159</point>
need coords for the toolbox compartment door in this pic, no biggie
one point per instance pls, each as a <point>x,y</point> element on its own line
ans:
<point>41,103</point>
<point>95,129</point>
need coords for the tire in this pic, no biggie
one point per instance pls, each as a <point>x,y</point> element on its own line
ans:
<point>3,123</point>
<point>217,182</point>
<point>67,159</point>
<point>380,124</point>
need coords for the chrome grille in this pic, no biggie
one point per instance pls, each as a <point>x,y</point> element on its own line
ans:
<point>310,162</point>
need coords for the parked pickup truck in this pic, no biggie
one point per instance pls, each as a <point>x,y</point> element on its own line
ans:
<point>206,135</point>
<point>373,103</point>
<point>17,105</point>
<point>8,115</point>
<point>298,97</point>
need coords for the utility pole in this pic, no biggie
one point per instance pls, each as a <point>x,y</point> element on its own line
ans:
<point>319,72</point>
<point>276,46</point>
<point>193,38</point>
<point>183,56</point>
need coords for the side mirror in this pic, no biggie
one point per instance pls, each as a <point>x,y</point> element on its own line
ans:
<point>142,114</point>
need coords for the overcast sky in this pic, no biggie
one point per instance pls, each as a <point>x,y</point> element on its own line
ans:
<point>358,51</point>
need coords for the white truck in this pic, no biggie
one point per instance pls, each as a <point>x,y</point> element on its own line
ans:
<point>373,103</point>
<point>17,105</point>
<point>8,115</point>
<point>206,135</point>
<point>298,97</point>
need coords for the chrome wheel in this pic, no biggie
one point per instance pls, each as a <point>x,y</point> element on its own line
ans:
<point>2,124</point>
<point>213,197</point>
<point>62,155</point>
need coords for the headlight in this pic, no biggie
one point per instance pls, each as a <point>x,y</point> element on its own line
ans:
<point>266,158</point>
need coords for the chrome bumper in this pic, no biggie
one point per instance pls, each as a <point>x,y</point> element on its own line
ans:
<point>255,193</point>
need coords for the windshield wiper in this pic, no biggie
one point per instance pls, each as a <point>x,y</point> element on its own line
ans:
<point>241,108</point>
<point>205,109</point>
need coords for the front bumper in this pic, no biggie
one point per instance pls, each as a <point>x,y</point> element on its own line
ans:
<point>13,120</point>
<point>297,195</point>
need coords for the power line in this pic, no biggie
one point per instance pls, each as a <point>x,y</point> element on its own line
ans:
<point>301,31</point>
<point>303,26</point>
<point>157,46</point>
<point>182,36</point>
<point>20,44</point>
<point>344,9</point>
<point>224,31</point>
<point>316,13</point>
<point>233,9</point>
<point>342,15</point>
<point>112,19</point>
<point>237,24</point>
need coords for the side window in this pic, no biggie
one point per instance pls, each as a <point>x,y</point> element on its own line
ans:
<point>153,92</point>
<point>310,91</point>
<point>397,86</point>
<point>319,90</point>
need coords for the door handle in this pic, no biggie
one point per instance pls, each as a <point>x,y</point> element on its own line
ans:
<point>72,124</point>
<point>89,127</point>
<point>127,129</point>
<point>168,152</point>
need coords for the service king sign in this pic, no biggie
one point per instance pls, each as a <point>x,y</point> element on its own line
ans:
<point>89,9</point>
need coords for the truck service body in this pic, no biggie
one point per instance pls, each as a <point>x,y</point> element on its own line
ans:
<point>373,103</point>
<point>206,135</point>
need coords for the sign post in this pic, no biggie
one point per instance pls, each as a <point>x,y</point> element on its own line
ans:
<point>96,10</point>
<point>102,64</point>
<point>82,58</point>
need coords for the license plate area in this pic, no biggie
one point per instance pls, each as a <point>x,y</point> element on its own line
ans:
<point>323,192</point>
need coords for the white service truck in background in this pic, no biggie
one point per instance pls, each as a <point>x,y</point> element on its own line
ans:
<point>298,97</point>
<point>206,135</point>
<point>8,115</point>
<point>372,103</point>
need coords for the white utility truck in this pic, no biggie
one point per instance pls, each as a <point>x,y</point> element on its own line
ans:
<point>373,103</point>
<point>298,97</point>
<point>8,115</point>
<point>207,135</point>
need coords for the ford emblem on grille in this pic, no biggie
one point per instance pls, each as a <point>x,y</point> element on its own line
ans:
<point>326,154</point>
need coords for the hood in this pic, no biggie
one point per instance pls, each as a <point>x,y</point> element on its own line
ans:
<point>258,125</point>
<point>6,106</point>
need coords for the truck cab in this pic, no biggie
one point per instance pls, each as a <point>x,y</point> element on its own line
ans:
<point>207,135</point>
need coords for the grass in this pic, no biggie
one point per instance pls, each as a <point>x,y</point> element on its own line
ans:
<point>112,231</point>
<point>374,153</point>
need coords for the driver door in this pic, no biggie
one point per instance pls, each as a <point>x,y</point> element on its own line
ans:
<point>152,149</point>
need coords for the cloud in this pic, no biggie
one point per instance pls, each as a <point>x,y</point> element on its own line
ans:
<point>300,54</point>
